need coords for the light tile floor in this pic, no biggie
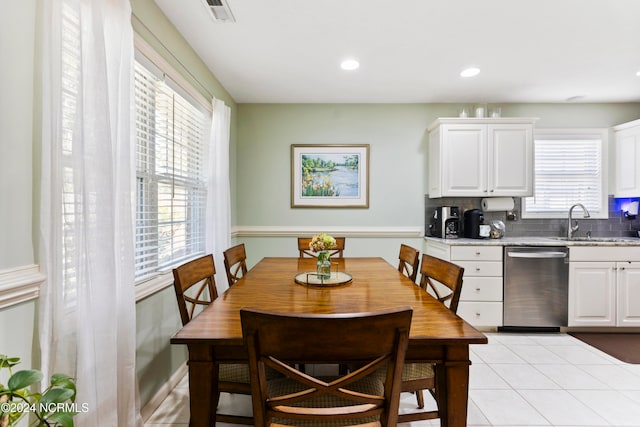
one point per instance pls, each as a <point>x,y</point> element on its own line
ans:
<point>516,380</point>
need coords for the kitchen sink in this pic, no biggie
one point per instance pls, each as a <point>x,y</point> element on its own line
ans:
<point>597,239</point>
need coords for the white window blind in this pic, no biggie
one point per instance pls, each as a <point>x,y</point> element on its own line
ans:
<point>70,79</point>
<point>170,172</point>
<point>568,169</point>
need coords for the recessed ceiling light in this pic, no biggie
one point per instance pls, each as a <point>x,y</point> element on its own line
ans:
<point>470,72</point>
<point>349,64</point>
<point>638,74</point>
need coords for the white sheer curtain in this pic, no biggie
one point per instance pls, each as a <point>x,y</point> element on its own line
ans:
<point>87,304</point>
<point>218,196</point>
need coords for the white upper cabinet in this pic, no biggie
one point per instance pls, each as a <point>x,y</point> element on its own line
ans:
<point>461,167</point>
<point>481,157</point>
<point>627,137</point>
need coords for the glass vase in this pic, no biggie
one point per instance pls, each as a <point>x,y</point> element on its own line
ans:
<point>323,266</point>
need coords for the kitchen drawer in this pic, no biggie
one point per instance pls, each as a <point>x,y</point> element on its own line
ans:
<point>481,268</point>
<point>481,289</point>
<point>604,253</point>
<point>480,253</point>
<point>481,313</point>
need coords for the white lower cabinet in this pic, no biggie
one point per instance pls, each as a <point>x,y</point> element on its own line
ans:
<point>481,296</point>
<point>592,294</point>
<point>604,293</point>
<point>628,294</point>
<point>604,283</point>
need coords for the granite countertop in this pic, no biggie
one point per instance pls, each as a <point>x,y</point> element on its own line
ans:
<point>542,241</point>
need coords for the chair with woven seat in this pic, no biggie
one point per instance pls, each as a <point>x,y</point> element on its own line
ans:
<point>306,252</point>
<point>443,280</point>
<point>195,286</point>
<point>409,258</point>
<point>281,341</point>
<point>235,263</point>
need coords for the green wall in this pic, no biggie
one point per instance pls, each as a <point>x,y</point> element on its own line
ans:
<point>396,134</point>
<point>157,321</point>
<point>17,32</point>
<point>398,140</point>
<point>398,163</point>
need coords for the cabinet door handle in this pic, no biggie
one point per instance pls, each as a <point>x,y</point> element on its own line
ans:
<point>477,289</point>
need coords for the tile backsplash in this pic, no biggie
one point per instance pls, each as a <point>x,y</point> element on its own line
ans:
<point>615,226</point>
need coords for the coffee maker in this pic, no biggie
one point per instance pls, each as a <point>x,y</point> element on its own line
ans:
<point>446,222</point>
<point>473,221</point>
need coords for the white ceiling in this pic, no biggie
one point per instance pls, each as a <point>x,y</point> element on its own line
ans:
<point>288,51</point>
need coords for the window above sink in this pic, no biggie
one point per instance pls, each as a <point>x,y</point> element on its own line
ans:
<point>570,166</point>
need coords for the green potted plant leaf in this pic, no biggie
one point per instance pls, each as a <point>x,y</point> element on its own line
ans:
<point>54,406</point>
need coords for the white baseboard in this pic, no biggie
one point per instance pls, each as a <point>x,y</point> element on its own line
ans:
<point>162,393</point>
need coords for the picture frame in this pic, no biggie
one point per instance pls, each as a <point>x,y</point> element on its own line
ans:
<point>329,176</point>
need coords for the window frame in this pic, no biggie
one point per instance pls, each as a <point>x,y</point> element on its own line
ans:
<point>150,59</point>
<point>177,81</point>
<point>601,134</point>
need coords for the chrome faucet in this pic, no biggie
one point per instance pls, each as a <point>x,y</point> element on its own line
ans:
<point>571,229</point>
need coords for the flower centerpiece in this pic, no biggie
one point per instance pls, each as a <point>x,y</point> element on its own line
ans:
<point>322,243</point>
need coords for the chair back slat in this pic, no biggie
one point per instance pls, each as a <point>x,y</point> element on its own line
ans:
<point>200,271</point>
<point>436,272</point>
<point>235,263</point>
<point>409,258</point>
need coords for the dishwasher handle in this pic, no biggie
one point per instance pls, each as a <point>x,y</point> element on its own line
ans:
<point>541,254</point>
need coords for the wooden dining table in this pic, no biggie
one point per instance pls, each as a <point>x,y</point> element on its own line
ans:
<point>437,335</point>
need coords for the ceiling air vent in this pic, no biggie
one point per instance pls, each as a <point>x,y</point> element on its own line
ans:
<point>220,10</point>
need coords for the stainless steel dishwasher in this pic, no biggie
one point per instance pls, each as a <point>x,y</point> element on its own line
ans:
<point>536,287</point>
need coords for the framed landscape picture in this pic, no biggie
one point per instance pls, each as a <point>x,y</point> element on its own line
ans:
<point>330,176</point>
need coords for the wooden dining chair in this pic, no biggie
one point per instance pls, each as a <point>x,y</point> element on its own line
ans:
<point>195,286</point>
<point>409,258</point>
<point>443,280</point>
<point>305,252</point>
<point>373,340</point>
<point>235,263</point>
